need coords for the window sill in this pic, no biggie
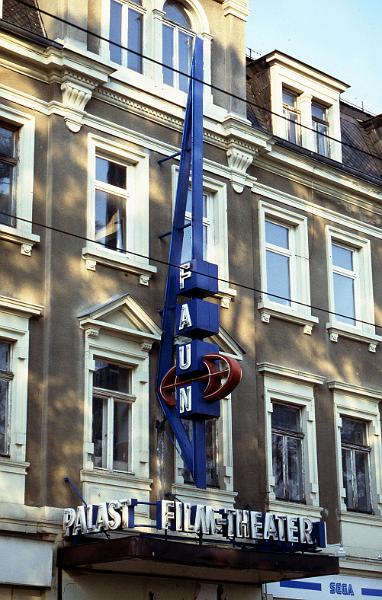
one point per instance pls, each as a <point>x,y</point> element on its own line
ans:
<point>211,496</point>
<point>120,261</point>
<point>353,334</point>
<point>24,238</point>
<point>268,310</point>
<point>294,508</point>
<point>360,518</point>
<point>7,465</point>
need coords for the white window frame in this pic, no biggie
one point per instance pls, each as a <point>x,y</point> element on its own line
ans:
<point>24,178</point>
<point>224,496</point>
<point>361,404</point>
<point>14,328</point>
<point>364,329</point>
<point>216,193</point>
<point>130,347</point>
<point>135,259</point>
<point>105,45</point>
<point>286,386</point>
<point>309,87</point>
<point>175,59</point>
<point>109,397</point>
<point>299,268</point>
<point>151,79</point>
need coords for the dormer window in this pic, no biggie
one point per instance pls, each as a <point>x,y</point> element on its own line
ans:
<point>292,117</point>
<point>177,45</point>
<point>320,126</point>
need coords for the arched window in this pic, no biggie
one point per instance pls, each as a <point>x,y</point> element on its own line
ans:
<point>177,45</point>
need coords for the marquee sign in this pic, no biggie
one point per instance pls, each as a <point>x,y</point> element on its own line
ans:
<point>201,376</point>
<point>294,533</point>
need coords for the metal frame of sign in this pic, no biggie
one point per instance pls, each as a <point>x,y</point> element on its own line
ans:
<point>191,161</point>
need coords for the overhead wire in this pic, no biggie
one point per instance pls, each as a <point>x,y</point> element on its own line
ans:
<point>185,74</point>
<point>155,259</point>
<point>166,263</point>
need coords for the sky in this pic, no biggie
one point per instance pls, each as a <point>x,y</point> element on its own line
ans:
<point>343,38</point>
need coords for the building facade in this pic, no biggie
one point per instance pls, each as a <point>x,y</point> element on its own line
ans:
<point>92,99</point>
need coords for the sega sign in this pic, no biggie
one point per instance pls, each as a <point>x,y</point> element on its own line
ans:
<point>327,588</point>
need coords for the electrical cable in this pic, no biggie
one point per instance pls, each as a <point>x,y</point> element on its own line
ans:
<point>183,73</point>
<point>168,264</point>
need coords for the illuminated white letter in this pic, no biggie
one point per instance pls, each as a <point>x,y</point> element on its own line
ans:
<point>185,317</point>
<point>185,399</point>
<point>185,357</point>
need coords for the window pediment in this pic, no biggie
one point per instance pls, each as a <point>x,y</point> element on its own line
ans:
<point>121,316</point>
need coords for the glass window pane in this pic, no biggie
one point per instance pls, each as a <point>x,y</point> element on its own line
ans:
<point>212,453</point>
<point>168,54</point>
<point>121,436</point>
<point>362,481</point>
<point>289,98</point>
<point>110,172</point>
<point>353,432</point>
<point>185,57</point>
<point>286,417</point>
<point>175,12</point>
<point>276,234</point>
<point>134,61</point>
<point>342,257</point>
<point>110,224</point>
<point>347,478</point>
<point>115,31</point>
<point>295,480</point>
<point>110,376</point>
<point>5,350</point>
<point>7,138</point>
<point>99,433</point>
<point>6,209</point>
<point>344,298</point>
<point>278,465</point>
<point>3,416</point>
<point>318,111</point>
<point>278,278</point>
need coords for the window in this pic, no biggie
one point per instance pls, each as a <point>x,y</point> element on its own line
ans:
<point>284,262</point>
<point>118,217</point>
<point>321,129</point>
<point>350,287</point>
<point>126,26</point>
<point>208,229</point>
<point>6,377</point>
<point>278,241</point>
<point>111,199</point>
<point>292,117</point>
<point>16,178</point>
<point>14,349</point>
<point>8,163</point>
<point>112,397</point>
<point>344,272</point>
<point>177,43</point>
<point>355,465</point>
<point>290,437</point>
<point>212,453</point>
<point>358,453</point>
<point>215,234</point>
<point>118,339</point>
<point>287,440</point>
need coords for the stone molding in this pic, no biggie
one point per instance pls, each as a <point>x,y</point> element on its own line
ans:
<point>236,8</point>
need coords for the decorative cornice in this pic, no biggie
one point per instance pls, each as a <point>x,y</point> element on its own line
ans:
<point>273,369</point>
<point>358,390</point>
<point>21,306</point>
<point>236,8</point>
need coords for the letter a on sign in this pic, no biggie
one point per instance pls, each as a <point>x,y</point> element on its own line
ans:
<point>185,317</point>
